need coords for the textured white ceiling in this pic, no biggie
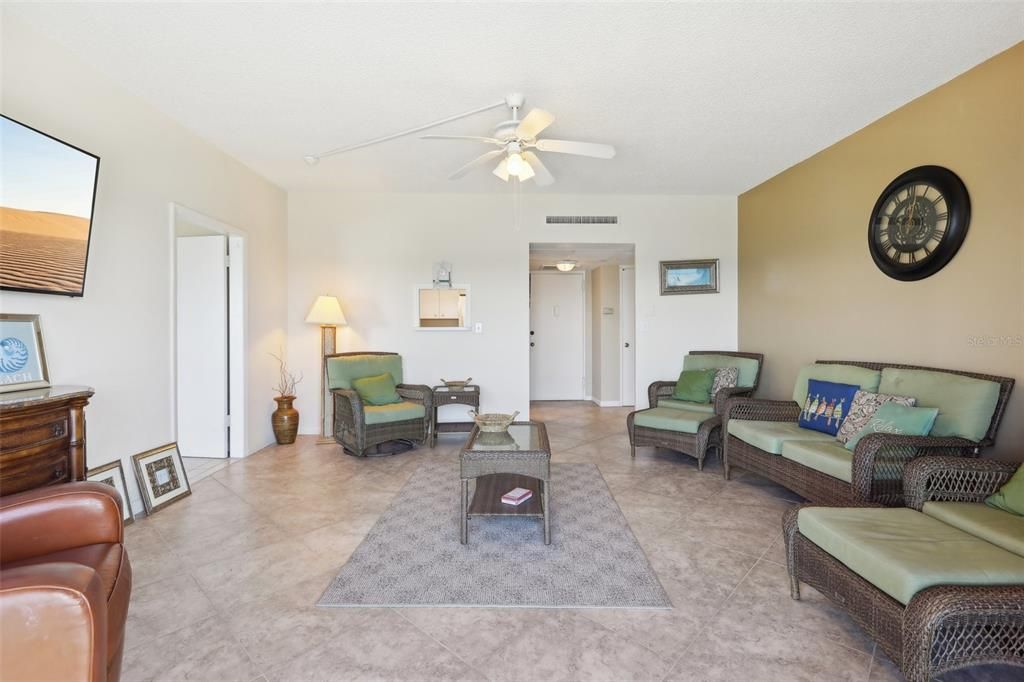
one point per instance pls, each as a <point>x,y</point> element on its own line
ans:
<point>697,97</point>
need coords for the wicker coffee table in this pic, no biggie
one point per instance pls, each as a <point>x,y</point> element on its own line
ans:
<point>519,458</point>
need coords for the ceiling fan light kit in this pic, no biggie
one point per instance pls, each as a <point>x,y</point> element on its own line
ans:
<point>516,139</point>
<point>566,265</point>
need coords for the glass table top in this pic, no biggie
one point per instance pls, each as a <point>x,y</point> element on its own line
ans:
<point>524,436</point>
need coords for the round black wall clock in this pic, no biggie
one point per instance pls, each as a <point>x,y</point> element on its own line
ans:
<point>919,222</point>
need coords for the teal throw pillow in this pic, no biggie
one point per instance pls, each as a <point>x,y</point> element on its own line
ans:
<point>1011,496</point>
<point>377,390</point>
<point>899,420</point>
<point>694,385</point>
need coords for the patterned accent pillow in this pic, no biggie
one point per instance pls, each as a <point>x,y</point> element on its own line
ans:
<point>725,377</point>
<point>826,405</point>
<point>863,408</point>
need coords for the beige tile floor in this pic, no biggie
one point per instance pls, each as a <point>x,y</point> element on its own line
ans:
<point>225,580</point>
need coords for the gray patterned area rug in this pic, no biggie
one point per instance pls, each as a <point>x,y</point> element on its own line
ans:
<point>413,557</point>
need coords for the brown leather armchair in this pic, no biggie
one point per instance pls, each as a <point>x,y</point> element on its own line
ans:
<point>65,580</point>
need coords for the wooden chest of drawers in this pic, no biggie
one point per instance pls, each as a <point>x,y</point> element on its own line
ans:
<point>42,437</point>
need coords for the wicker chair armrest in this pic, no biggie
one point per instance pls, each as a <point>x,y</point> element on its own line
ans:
<point>417,393</point>
<point>659,389</point>
<point>761,410</point>
<point>947,626</point>
<point>348,408</point>
<point>953,479</point>
<point>884,457</point>
<point>724,394</point>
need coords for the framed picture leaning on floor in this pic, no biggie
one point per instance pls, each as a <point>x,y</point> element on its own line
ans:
<point>161,477</point>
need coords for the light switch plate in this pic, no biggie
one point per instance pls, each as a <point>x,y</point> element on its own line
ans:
<point>478,328</point>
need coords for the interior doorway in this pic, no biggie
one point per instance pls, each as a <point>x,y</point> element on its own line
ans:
<point>582,323</point>
<point>208,345</point>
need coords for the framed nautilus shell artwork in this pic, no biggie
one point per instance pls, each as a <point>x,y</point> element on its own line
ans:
<point>22,360</point>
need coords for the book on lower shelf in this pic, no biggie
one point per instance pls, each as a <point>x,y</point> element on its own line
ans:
<point>516,496</point>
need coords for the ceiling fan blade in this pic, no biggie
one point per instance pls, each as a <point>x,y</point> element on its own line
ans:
<point>541,175</point>
<point>502,170</point>
<point>483,158</point>
<point>473,138</point>
<point>598,151</point>
<point>535,121</point>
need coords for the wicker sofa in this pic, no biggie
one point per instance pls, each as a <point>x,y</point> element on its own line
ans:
<point>939,585</point>
<point>762,436</point>
<point>691,428</point>
<point>359,427</point>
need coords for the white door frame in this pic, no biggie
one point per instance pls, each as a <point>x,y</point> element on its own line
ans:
<point>622,342</point>
<point>237,323</point>
<point>583,347</point>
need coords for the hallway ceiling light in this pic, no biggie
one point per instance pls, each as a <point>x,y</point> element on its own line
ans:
<point>566,265</point>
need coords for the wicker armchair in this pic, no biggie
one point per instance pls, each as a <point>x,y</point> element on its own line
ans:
<point>709,433</point>
<point>407,422</point>
<point>944,627</point>
<point>878,461</point>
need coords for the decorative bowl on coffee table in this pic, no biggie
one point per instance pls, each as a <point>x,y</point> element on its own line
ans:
<point>493,422</point>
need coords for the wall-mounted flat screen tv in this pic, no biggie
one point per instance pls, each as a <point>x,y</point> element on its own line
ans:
<point>47,194</point>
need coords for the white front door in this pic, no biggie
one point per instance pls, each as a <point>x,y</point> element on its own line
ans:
<point>556,336</point>
<point>202,346</point>
<point>627,318</point>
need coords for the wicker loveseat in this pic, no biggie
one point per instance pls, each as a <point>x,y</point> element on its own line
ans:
<point>938,585</point>
<point>763,436</point>
<point>358,427</point>
<point>691,428</point>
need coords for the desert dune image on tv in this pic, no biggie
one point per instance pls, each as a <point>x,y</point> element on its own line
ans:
<point>46,204</point>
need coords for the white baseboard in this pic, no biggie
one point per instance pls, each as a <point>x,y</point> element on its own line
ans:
<point>607,403</point>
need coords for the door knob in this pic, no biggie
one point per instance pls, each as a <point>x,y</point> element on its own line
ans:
<point>532,344</point>
<point>627,344</point>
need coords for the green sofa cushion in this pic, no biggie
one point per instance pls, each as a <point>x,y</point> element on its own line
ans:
<point>709,408</point>
<point>377,390</point>
<point>769,436</point>
<point>342,370</point>
<point>965,404</point>
<point>671,419</point>
<point>747,366</point>
<point>995,525</point>
<point>867,379</point>
<point>395,412</point>
<point>1010,497</point>
<point>694,385</point>
<point>901,551</point>
<point>828,457</point>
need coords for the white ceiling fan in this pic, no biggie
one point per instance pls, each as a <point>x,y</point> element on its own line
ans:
<point>516,139</point>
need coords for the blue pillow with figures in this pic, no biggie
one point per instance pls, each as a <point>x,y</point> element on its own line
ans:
<point>826,406</point>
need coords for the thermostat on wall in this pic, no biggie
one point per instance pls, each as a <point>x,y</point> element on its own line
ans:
<point>607,311</point>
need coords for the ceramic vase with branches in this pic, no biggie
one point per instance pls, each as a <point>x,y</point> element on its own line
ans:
<point>285,419</point>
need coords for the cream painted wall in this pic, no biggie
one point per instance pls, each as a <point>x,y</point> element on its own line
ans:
<point>606,340</point>
<point>809,288</point>
<point>117,338</point>
<point>372,250</point>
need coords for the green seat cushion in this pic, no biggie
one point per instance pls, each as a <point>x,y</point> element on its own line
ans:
<point>769,436</point>
<point>899,420</point>
<point>966,404</point>
<point>866,379</point>
<point>395,412</point>
<point>342,370</point>
<point>901,551</point>
<point>995,525</point>
<point>709,408</point>
<point>671,419</point>
<point>377,390</point>
<point>694,385</point>
<point>747,366</point>
<point>828,457</point>
<point>1010,497</point>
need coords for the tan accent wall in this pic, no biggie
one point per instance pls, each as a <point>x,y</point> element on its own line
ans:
<point>809,289</point>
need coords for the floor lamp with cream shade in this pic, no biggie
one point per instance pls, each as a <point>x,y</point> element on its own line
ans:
<point>326,312</point>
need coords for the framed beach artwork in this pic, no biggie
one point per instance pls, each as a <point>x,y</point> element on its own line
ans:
<point>47,193</point>
<point>161,477</point>
<point>22,360</point>
<point>689,276</point>
<point>113,475</point>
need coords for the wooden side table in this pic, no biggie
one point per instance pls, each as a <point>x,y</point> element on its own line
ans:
<point>470,395</point>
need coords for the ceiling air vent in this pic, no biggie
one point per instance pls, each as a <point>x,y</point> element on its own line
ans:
<point>583,220</point>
